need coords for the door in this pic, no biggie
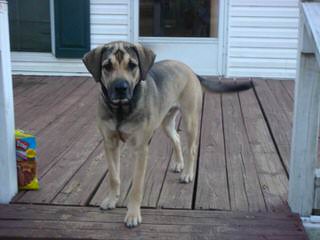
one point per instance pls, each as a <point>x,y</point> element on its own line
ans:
<point>185,30</point>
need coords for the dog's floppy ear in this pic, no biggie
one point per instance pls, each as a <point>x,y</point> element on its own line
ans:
<point>146,59</point>
<point>92,61</point>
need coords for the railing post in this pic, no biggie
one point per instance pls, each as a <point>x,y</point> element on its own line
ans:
<point>305,128</point>
<point>8,169</point>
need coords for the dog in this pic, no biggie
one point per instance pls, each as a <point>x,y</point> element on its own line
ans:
<point>138,96</point>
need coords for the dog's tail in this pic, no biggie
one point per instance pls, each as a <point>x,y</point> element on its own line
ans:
<point>220,86</point>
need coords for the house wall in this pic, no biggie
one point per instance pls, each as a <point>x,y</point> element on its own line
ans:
<point>262,38</point>
<point>110,20</point>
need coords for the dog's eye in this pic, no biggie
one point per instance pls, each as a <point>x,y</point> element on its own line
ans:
<point>108,66</point>
<point>132,65</point>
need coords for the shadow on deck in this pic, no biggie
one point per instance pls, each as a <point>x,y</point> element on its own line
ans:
<point>242,168</point>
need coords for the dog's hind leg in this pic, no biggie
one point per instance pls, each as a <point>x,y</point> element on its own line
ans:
<point>169,126</point>
<point>191,123</point>
<point>190,105</point>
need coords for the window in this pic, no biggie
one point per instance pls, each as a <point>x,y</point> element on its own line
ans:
<point>178,18</point>
<point>29,22</point>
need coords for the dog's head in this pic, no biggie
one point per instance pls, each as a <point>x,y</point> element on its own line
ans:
<point>119,66</point>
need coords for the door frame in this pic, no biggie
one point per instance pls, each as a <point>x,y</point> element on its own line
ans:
<point>221,40</point>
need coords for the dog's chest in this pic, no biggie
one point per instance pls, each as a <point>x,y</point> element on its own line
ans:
<point>124,124</point>
<point>123,136</point>
<point>127,127</point>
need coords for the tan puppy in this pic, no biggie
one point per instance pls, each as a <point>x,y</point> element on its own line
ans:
<point>137,96</point>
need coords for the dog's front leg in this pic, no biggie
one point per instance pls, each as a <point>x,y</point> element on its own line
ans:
<point>133,217</point>
<point>112,152</point>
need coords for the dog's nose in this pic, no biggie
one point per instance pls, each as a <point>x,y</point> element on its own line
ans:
<point>121,87</point>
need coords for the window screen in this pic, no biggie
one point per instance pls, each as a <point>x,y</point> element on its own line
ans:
<point>178,18</point>
<point>29,23</point>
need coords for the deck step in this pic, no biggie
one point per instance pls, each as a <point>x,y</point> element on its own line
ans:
<point>25,221</point>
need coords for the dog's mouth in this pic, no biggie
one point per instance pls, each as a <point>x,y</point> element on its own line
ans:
<point>120,92</point>
<point>120,98</point>
<point>121,101</point>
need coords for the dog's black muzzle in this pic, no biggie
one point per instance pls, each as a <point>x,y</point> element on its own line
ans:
<point>119,92</point>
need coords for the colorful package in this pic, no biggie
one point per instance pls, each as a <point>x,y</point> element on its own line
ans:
<point>26,161</point>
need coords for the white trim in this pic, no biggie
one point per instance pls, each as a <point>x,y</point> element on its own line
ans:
<point>178,40</point>
<point>223,37</point>
<point>36,63</point>
<point>133,29</point>
<point>311,222</point>
<point>129,13</point>
<point>135,20</point>
<point>39,56</point>
<point>8,167</point>
<point>313,219</point>
<point>165,47</point>
<point>312,226</point>
<point>52,28</point>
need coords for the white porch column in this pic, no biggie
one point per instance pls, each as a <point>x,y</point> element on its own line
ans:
<point>304,146</point>
<point>8,169</point>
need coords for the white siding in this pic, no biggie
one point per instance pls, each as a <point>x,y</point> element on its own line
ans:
<point>262,38</point>
<point>110,21</point>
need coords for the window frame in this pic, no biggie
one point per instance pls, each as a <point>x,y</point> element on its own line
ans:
<point>54,47</point>
<point>220,40</point>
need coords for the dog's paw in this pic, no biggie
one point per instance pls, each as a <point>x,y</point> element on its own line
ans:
<point>186,178</point>
<point>177,167</point>
<point>132,219</point>
<point>109,203</point>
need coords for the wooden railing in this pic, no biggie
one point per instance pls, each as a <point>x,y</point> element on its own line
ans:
<point>302,176</point>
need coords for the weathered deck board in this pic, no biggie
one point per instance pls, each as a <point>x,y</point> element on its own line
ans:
<point>160,150</point>
<point>283,98</point>
<point>57,137</point>
<point>239,168</point>
<point>244,184</point>
<point>101,193</point>
<point>212,185</point>
<point>289,86</point>
<point>69,148</point>
<point>82,185</point>
<point>175,194</point>
<point>32,119</point>
<point>38,93</point>
<point>159,156</point>
<point>272,175</point>
<point>285,101</point>
<point>126,166</point>
<point>277,120</point>
<point>58,110</point>
<point>82,222</point>
<point>27,86</point>
<point>18,80</point>
<point>66,166</point>
<point>65,131</point>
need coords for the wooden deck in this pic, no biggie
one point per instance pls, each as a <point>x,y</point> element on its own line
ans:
<point>242,167</point>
